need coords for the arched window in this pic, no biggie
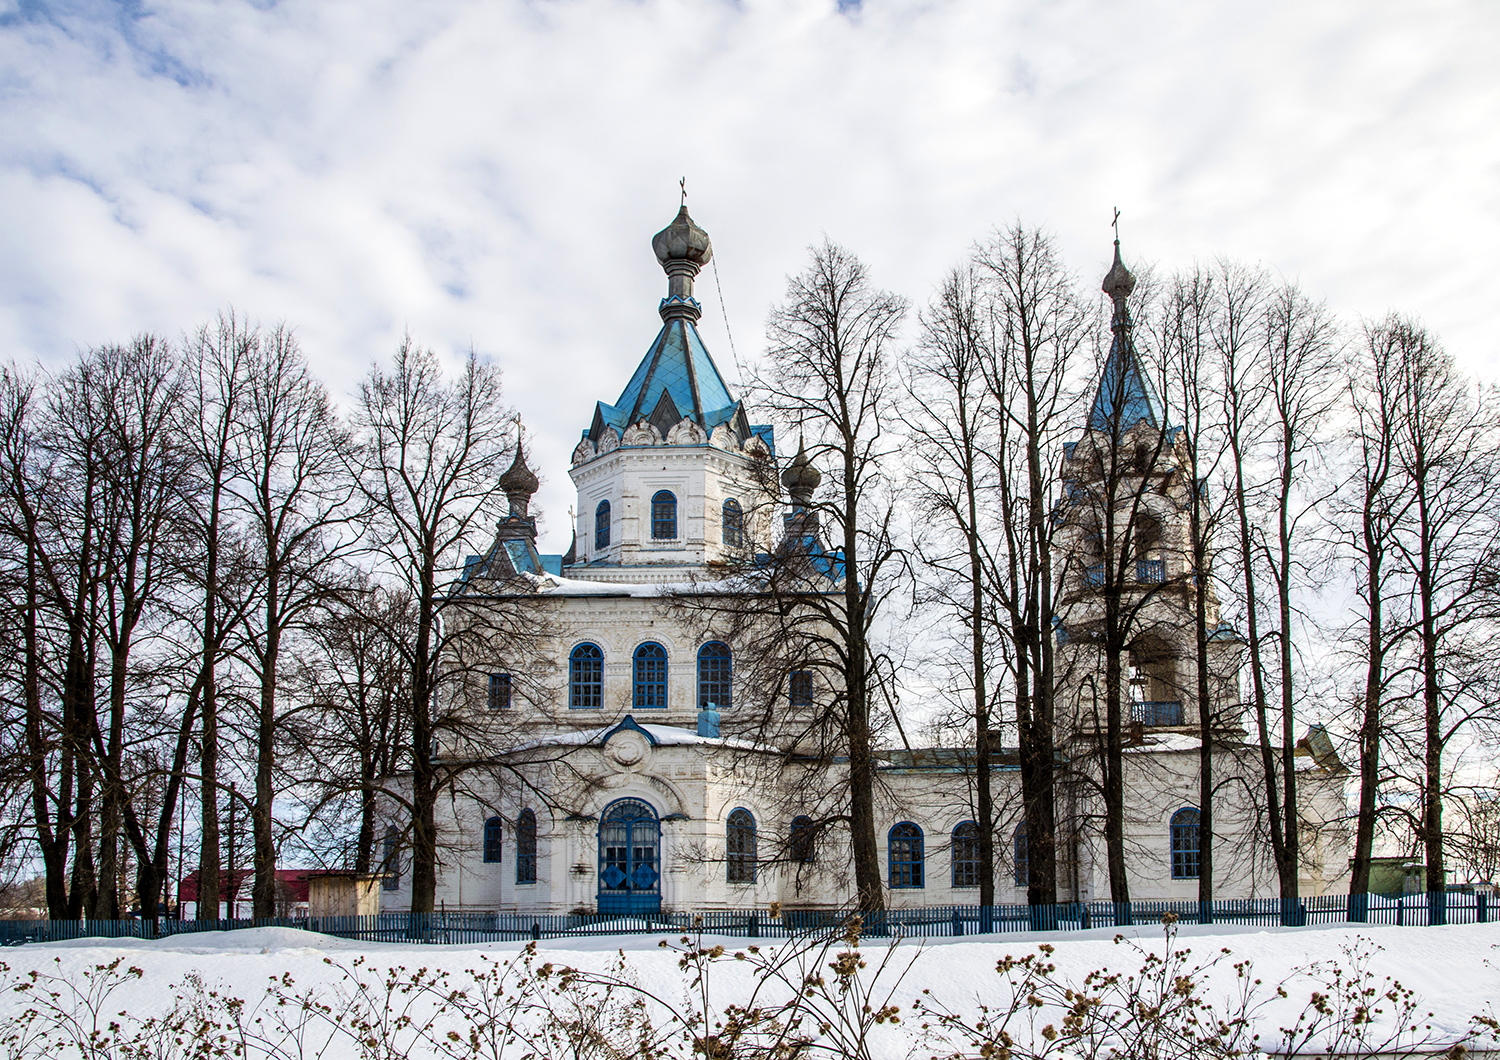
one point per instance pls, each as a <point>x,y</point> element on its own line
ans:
<point>734,523</point>
<point>663,516</point>
<point>526,847</point>
<point>965,855</point>
<point>1185,844</point>
<point>739,847</point>
<point>801,846</point>
<point>715,667</point>
<point>601,525</point>
<point>390,860</point>
<point>904,846</point>
<point>493,830</point>
<point>650,676</point>
<point>1022,856</point>
<point>800,688</point>
<point>586,677</point>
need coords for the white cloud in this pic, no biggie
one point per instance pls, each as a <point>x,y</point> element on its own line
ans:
<point>491,172</point>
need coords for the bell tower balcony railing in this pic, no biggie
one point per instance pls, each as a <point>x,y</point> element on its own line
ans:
<point>1157,712</point>
<point>1147,572</point>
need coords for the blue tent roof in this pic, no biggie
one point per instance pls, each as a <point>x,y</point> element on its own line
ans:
<point>678,364</point>
<point>1125,383</point>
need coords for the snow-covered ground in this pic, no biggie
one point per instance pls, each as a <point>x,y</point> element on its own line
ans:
<point>1454,971</point>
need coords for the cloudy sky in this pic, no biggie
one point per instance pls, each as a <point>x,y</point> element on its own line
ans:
<point>490,173</point>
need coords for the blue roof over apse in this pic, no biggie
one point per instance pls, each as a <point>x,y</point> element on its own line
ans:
<point>680,364</point>
<point>1123,381</point>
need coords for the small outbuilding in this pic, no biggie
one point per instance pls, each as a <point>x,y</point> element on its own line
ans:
<point>334,892</point>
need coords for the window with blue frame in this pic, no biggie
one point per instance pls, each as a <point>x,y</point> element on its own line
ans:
<point>601,525</point>
<point>733,523</point>
<point>904,850</point>
<point>1185,846</point>
<point>739,847</point>
<point>650,676</point>
<point>586,677</point>
<point>1022,856</point>
<point>526,847</point>
<point>800,688</point>
<point>499,692</point>
<point>493,832</point>
<point>715,668</point>
<point>802,839</point>
<point>664,516</point>
<point>965,855</point>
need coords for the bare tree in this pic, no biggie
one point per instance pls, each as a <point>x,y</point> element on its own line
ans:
<point>131,392</point>
<point>218,363</point>
<point>52,749</point>
<point>353,669</point>
<point>291,484</point>
<point>1377,505</point>
<point>827,370</point>
<point>1188,318</point>
<point>429,461</point>
<point>953,425</point>
<point>1446,452</point>
<point>1042,326</point>
<point>1277,352</point>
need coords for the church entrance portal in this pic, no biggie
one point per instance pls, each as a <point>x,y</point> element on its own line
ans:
<point>629,856</point>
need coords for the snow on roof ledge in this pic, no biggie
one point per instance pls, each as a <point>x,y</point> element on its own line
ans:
<point>660,736</point>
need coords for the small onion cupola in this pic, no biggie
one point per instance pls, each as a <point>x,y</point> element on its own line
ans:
<point>519,483</point>
<point>1119,281</point>
<point>801,479</point>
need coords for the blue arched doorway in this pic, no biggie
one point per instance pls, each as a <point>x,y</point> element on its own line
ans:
<point>629,858</point>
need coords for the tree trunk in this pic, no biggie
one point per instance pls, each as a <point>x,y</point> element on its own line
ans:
<point>423,773</point>
<point>1205,706</point>
<point>1289,868</point>
<point>263,896</point>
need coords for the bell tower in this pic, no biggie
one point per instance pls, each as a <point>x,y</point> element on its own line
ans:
<point>1125,557</point>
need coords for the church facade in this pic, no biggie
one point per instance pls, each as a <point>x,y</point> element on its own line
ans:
<point>626,782</point>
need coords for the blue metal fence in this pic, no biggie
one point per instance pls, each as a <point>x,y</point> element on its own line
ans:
<point>927,922</point>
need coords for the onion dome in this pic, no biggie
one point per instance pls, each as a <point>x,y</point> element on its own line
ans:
<point>682,248</point>
<point>682,240</point>
<point>1119,281</point>
<point>801,478</point>
<point>519,483</point>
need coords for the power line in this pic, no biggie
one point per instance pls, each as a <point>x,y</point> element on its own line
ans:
<point>724,313</point>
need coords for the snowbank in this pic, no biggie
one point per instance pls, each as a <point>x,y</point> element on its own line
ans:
<point>1455,971</point>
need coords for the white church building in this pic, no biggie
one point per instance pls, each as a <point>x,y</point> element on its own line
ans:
<point>623,783</point>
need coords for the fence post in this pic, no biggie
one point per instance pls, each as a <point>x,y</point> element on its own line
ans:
<point>536,931</point>
<point>1484,906</point>
<point>1400,911</point>
<point>755,924</point>
<point>958,925</point>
